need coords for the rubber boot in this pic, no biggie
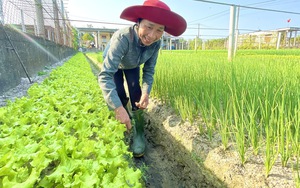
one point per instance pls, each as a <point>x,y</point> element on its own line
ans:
<point>138,145</point>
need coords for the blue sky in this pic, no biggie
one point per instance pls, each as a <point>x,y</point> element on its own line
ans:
<point>213,19</point>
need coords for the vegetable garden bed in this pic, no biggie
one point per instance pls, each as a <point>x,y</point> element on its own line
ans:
<point>62,135</point>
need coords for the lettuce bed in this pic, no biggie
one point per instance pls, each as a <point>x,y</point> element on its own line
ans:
<point>62,135</point>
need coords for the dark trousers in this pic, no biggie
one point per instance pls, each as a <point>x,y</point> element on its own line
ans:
<point>132,78</point>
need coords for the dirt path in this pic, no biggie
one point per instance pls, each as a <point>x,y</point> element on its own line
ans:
<point>166,165</point>
<point>159,170</point>
<point>169,162</point>
<point>163,168</point>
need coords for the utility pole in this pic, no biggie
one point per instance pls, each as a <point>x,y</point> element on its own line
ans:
<point>236,30</point>
<point>64,22</point>
<point>231,32</point>
<point>196,43</point>
<point>278,41</point>
<point>23,22</point>
<point>197,37</point>
<point>56,22</point>
<point>1,12</point>
<point>40,18</point>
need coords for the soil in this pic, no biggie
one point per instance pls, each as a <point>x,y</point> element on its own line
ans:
<point>202,162</point>
<point>178,156</point>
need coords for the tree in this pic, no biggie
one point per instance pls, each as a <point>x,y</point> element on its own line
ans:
<point>192,44</point>
<point>215,44</point>
<point>87,37</point>
<point>75,40</point>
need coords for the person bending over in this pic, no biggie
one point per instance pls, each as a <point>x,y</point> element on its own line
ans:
<point>128,49</point>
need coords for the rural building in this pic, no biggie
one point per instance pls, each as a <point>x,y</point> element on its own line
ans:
<point>170,42</point>
<point>101,35</point>
<point>280,38</point>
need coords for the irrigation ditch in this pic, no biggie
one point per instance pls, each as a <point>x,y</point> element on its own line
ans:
<point>169,162</point>
<point>179,156</point>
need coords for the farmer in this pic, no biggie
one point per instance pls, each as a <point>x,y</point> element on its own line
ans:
<point>128,49</point>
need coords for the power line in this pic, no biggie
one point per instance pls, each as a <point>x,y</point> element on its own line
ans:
<point>219,29</point>
<point>111,23</point>
<point>263,2</point>
<point>217,14</point>
<point>275,2</point>
<point>88,21</point>
<point>256,8</point>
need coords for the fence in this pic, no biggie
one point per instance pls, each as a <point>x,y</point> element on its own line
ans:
<point>43,18</point>
<point>273,39</point>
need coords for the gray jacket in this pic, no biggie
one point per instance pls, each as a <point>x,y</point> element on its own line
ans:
<point>125,52</point>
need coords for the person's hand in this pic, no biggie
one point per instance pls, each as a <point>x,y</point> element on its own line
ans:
<point>123,117</point>
<point>144,101</point>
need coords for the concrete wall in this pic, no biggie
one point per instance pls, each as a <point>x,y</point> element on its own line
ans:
<point>35,53</point>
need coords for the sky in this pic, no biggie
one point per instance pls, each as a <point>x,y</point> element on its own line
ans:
<point>208,19</point>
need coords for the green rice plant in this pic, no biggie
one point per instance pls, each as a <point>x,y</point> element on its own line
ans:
<point>239,126</point>
<point>296,171</point>
<point>284,140</point>
<point>284,128</point>
<point>252,125</point>
<point>224,124</point>
<point>271,152</point>
<point>297,176</point>
<point>241,141</point>
<point>212,120</point>
<point>207,118</point>
<point>185,111</point>
<point>268,109</point>
<point>205,82</point>
<point>295,131</point>
<point>197,111</point>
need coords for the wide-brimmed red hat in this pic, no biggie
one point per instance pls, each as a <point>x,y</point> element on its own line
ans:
<point>158,12</point>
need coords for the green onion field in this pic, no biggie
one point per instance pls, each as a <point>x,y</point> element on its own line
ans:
<point>253,101</point>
